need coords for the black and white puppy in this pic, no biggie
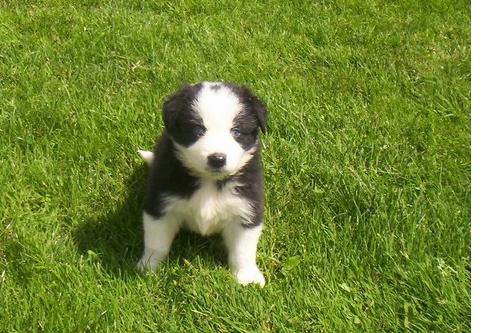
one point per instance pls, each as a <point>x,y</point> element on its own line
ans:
<point>206,175</point>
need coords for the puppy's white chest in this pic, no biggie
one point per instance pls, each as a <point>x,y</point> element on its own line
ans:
<point>209,208</point>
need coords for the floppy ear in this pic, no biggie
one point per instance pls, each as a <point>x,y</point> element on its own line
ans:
<point>261,112</point>
<point>258,107</point>
<point>171,108</point>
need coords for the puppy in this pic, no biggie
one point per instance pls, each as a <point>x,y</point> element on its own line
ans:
<point>206,175</point>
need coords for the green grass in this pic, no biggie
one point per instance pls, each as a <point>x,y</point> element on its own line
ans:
<point>367,164</point>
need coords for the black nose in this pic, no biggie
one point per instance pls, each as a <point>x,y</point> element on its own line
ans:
<point>217,160</point>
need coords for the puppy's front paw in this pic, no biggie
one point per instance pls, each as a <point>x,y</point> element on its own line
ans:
<point>249,275</point>
<point>150,261</point>
<point>144,265</point>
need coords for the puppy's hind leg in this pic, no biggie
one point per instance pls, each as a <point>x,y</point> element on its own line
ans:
<point>158,236</point>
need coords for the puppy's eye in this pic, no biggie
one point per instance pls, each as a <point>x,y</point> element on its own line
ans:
<point>199,131</point>
<point>235,132</point>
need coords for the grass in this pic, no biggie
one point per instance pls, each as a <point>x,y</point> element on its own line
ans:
<point>367,164</point>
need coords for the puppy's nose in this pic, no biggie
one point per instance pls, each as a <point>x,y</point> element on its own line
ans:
<point>216,160</point>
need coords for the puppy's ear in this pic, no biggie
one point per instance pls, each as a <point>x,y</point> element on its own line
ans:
<point>258,107</point>
<point>171,108</point>
<point>261,112</point>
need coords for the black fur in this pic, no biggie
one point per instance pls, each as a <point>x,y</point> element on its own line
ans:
<point>252,188</point>
<point>169,177</point>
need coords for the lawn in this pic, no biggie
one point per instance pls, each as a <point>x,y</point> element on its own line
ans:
<point>367,163</point>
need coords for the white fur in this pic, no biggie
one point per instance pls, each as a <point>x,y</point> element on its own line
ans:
<point>217,108</point>
<point>209,210</point>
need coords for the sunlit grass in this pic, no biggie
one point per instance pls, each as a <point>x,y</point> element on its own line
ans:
<point>367,164</point>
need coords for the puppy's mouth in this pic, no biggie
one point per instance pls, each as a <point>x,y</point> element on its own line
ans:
<point>217,172</point>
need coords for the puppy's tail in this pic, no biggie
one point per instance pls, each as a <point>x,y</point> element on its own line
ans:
<point>148,156</point>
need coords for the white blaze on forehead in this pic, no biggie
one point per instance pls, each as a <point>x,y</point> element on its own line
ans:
<point>217,105</point>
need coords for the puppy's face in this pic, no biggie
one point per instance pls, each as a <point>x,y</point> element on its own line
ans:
<point>214,127</point>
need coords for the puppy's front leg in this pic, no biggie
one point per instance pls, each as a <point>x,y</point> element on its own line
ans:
<point>158,236</point>
<point>241,245</point>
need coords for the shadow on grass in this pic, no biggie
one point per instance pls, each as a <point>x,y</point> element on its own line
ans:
<point>115,239</point>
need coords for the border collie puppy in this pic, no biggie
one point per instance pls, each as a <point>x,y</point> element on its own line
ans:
<point>206,175</point>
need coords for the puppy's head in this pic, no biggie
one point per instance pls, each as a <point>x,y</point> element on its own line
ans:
<point>214,127</point>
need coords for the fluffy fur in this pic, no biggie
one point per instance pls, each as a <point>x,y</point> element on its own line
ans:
<point>206,175</point>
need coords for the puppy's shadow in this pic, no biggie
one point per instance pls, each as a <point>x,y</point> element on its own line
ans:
<point>115,239</point>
